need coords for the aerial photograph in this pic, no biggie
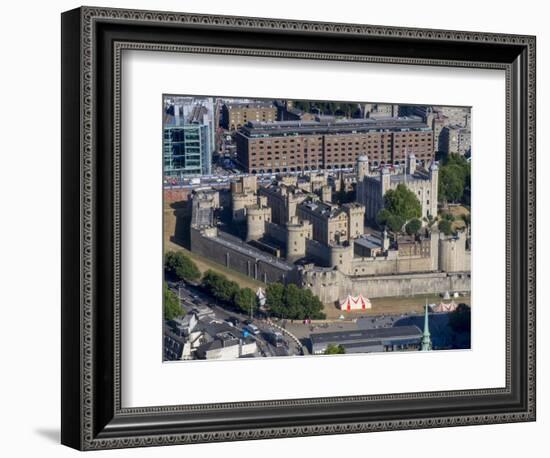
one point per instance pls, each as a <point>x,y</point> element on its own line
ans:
<point>307,228</point>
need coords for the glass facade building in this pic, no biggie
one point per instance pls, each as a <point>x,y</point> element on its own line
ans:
<point>187,150</point>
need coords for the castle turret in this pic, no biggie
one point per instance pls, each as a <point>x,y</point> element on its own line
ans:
<point>452,253</point>
<point>385,240</point>
<point>434,179</point>
<point>256,217</point>
<point>362,167</point>
<point>411,164</point>
<point>385,178</point>
<point>326,193</point>
<point>341,257</point>
<point>297,234</point>
<point>356,219</point>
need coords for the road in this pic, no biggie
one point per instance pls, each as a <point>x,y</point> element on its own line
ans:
<point>192,297</point>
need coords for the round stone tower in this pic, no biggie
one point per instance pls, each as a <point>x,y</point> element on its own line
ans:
<point>341,256</point>
<point>256,219</point>
<point>452,253</point>
<point>239,202</point>
<point>297,233</point>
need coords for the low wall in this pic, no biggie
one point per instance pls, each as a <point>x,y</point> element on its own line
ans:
<point>383,266</point>
<point>331,285</point>
<point>252,263</point>
<point>410,284</point>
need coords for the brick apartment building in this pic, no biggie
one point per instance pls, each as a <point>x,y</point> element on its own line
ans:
<point>329,143</point>
<point>237,114</point>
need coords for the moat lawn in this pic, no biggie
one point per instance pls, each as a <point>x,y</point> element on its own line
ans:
<point>204,264</point>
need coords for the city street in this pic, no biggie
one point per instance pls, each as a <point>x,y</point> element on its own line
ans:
<point>193,297</point>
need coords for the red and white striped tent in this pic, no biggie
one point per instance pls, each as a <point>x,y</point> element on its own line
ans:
<point>442,307</point>
<point>355,303</point>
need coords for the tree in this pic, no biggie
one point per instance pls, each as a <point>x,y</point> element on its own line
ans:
<point>413,226</point>
<point>172,307</point>
<point>313,307</point>
<point>335,350</point>
<point>181,266</point>
<point>293,303</point>
<point>219,286</point>
<point>274,294</point>
<point>395,223</point>
<point>382,217</point>
<point>402,202</point>
<point>246,300</point>
<point>448,217</point>
<point>460,318</point>
<point>454,179</point>
<point>446,227</point>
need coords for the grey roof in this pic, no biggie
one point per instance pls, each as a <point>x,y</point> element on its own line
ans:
<point>401,177</point>
<point>335,126</point>
<point>321,208</point>
<point>236,244</point>
<point>256,104</point>
<point>369,241</point>
<point>364,335</point>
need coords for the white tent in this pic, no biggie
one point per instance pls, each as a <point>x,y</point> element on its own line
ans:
<point>355,303</point>
<point>442,307</point>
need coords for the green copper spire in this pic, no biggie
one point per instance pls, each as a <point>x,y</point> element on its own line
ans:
<point>426,339</point>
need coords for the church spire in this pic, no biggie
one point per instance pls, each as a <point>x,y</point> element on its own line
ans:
<point>426,339</point>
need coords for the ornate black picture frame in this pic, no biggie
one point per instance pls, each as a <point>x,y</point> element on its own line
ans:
<point>92,42</point>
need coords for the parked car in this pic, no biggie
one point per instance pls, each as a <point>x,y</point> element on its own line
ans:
<point>252,329</point>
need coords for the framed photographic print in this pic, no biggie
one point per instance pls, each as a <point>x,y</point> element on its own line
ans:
<point>277,228</point>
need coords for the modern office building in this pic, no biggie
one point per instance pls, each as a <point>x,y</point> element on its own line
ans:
<point>330,143</point>
<point>187,150</point>
<point>188,140</point>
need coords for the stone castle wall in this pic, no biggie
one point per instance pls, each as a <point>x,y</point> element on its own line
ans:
<point>384,266</point>
<point>331,285</point>
<point>246,263</point>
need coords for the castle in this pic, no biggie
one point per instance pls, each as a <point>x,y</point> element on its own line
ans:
<point>371,186</point>
<point>295,232</point>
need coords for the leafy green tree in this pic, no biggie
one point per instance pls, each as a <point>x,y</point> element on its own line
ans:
<point>395,223</point>
<point>246,300</point>
<point>454,179</point>
<point>181,266</point>
<point>402,202</point>
<point>451,184</point>
<point>172,307</point>
<point>460,318</point>
<point>446,227</point>
<point>293,303</point>
<point>333,349</point>
<point>413,226</point>
<point>219,286</point>
<point>449,217</point>
<point>382,217</point>
<point>313,307</point>
<point>274,295</point>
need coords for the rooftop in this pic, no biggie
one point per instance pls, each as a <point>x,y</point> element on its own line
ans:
<point>321,208</point>
<point>323,125</point>
<point>257,104</point>
<point>365,335</point>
